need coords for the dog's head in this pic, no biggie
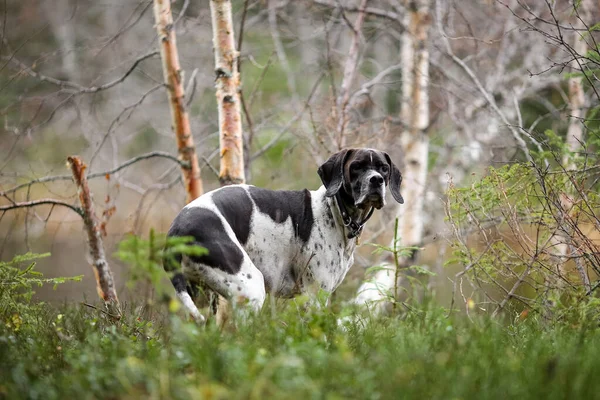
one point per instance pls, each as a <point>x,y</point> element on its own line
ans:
<point>363,175</point>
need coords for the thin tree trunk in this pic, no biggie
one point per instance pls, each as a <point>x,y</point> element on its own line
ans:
<point>413,144</point>
<point>565,248</point>
<point>60,18</point>
<point>576,95</point>
<point>228,96</point>
<point>173,76</point>
<point>229,107</point>
<point>349,75</point>
<point>105,284</point>
<point>280,50</point>
<point>415,110</point>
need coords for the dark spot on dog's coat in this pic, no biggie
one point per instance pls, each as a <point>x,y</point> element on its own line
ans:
<point>208,231</point>
<point>283,204</point>
<point>236,206</point>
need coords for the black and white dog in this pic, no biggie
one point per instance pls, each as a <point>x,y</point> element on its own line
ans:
<point>280,242</point>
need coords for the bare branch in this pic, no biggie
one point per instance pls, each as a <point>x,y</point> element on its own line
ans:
<point>76,88</point>
<point>153,154</point>
<point>366,87</point>
<point>128,27</point>
<point>129,109</point>
<point>377,12</point>
<point>184,8</point>
<point>287,126</point>
<point>40,202</point>
<point>488,97</point>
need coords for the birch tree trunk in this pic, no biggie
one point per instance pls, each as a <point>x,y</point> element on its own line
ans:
<point>229,108</point>
<point>105,284</point>
<point>173,76</point>
<point>413,144</point>
<point>349,74</point>
<point>228,94</point>
<point>576,95</point>
<point>565,248</point>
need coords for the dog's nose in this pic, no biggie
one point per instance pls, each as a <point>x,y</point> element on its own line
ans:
<point>376,180</point>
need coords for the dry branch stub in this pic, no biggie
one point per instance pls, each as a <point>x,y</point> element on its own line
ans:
<point>174,82</point>
<point>105,284</point>
<point>228,94</point>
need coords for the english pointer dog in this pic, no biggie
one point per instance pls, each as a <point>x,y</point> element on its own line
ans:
<point>281,241</point>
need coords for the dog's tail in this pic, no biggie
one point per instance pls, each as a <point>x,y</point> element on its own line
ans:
<point>185,291</point>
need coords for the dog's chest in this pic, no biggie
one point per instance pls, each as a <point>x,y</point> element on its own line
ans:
<point>288,263</point>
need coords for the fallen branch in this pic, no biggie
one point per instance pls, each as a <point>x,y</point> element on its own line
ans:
<point>104,277</point>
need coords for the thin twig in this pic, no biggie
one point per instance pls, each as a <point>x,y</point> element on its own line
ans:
<point>377,12</point>
<point>75,87</point>
<point>116,317</point>
<point>34,203</point>
<point>153,154</point>
<point>184,8</point>
<point>287,126</point>
<point>130,108</point>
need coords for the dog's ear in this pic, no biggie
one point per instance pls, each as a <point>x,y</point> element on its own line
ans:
<point>332,172</point>
<point>395,179</point>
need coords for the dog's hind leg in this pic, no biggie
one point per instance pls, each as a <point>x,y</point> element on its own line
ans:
<point>244,289</point>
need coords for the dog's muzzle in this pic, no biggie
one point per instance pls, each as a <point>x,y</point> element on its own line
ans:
<point>372,192</point>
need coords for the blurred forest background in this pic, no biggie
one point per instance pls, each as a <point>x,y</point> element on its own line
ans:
<point>448,87</point>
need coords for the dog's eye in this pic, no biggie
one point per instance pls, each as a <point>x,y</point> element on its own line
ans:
<point>385,168</point>
<point>355,167</point>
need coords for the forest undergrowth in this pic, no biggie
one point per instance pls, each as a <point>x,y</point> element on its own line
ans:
<point>290,350</point>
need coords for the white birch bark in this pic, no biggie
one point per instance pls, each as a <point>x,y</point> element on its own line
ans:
<point>414,145</point>
<point>228,94</point>
<point>349,74</point>
<point>60,17</point>
<point>565,248</point>
<point>576,95</point>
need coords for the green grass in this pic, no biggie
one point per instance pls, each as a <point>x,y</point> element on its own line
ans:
<point>293,353</point>
<point>291,350</point>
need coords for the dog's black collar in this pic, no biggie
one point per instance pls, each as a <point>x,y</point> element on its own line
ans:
<point>354,227</point>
